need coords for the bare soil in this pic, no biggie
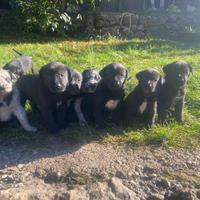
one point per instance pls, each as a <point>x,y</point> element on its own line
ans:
<point>65,170</point>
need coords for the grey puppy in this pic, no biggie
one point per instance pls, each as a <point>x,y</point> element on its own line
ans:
<point>21,65</point>
<point>91,79</point>
<point>172,91</point>
<point>141,103</point>
<point>10,102</point>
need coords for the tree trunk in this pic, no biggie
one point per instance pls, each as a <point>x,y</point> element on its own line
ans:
<point>162,4</point>
<point>153,6</point>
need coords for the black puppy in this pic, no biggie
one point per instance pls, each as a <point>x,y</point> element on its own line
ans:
<point>47,91</point>
<point>91,79</point>
<point>21,65</point>
<point>110,92</point>
<point>172,90</point>
<point>140,104</point>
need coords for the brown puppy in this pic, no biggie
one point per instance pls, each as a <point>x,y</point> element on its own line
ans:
<point>172,91</point>
<point>140,104</point>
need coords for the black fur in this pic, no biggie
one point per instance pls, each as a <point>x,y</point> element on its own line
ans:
<point>47,91</point>
<point>172,91</point>
<point>91,79</point>
<point>110,92</point>
<point>140,104</point>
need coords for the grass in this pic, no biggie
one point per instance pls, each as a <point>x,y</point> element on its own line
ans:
<point>136,55</point>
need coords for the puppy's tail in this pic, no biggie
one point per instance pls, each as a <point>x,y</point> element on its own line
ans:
<point>17,52</point>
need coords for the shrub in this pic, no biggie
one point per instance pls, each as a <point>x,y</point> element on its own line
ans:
<point>45,16</point>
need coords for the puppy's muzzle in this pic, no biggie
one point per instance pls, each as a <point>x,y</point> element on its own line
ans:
<point>92,87</point>
<point>59,87</point>
<point>75,89</point>
<point>181,81</point>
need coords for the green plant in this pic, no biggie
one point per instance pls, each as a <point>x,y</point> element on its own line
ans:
<point>45,16</point>
<point>42,16</point>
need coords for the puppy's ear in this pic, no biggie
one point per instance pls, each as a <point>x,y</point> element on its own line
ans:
<point>139,75</point>
<point>167,68</point>
<point>104,73</point>
<point>41,73</point>
<point>128,76</point>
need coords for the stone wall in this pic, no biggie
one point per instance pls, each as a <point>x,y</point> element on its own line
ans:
<point>134,25</point>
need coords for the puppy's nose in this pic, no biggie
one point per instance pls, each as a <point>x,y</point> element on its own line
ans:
<point>119,83</point>
<point>58,86</point>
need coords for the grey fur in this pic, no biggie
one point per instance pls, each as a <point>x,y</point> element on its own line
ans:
<point>21,65</point>
<point>13,107</point>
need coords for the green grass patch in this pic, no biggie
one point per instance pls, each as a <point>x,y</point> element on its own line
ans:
<point>136,55</point>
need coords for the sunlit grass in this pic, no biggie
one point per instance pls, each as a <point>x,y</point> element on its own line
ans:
<point>135,55</point>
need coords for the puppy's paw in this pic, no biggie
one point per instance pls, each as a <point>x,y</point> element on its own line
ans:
<point>32,129</point>
<point>83,123</point>
<point>150,125</point>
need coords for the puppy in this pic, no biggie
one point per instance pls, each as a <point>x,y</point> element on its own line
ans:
<point>48,91</point>
<point>71,93</point>
<point>140,104</point>
<point>172,90</point>
<point>20,66</point>
<point>109,93</point>
<point>10,102</point>
<point>91,79</point>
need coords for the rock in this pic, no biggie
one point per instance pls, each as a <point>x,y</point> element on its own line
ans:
<point>121,174</point>
<point>108,19</point>
<point>148,170</point>
<point>155,197</point>
<point>163,183</point>
<point>113,30</point>
<point>130,19</point>
<point>20,166</point>
<point>77,194</point>
<point>198,194</point>
<point>180,195</point>
<point>120,190</point>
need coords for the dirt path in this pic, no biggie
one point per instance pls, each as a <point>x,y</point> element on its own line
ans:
<point>60,171</point>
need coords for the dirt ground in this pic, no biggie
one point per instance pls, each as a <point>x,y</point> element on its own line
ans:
<point>62,170</point>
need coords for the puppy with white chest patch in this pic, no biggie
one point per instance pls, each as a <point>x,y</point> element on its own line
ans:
<point>10,102</point>
<point>140,104</point>
<point>109,94</point>
<point>91,79</point>
<point>172,91</point>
